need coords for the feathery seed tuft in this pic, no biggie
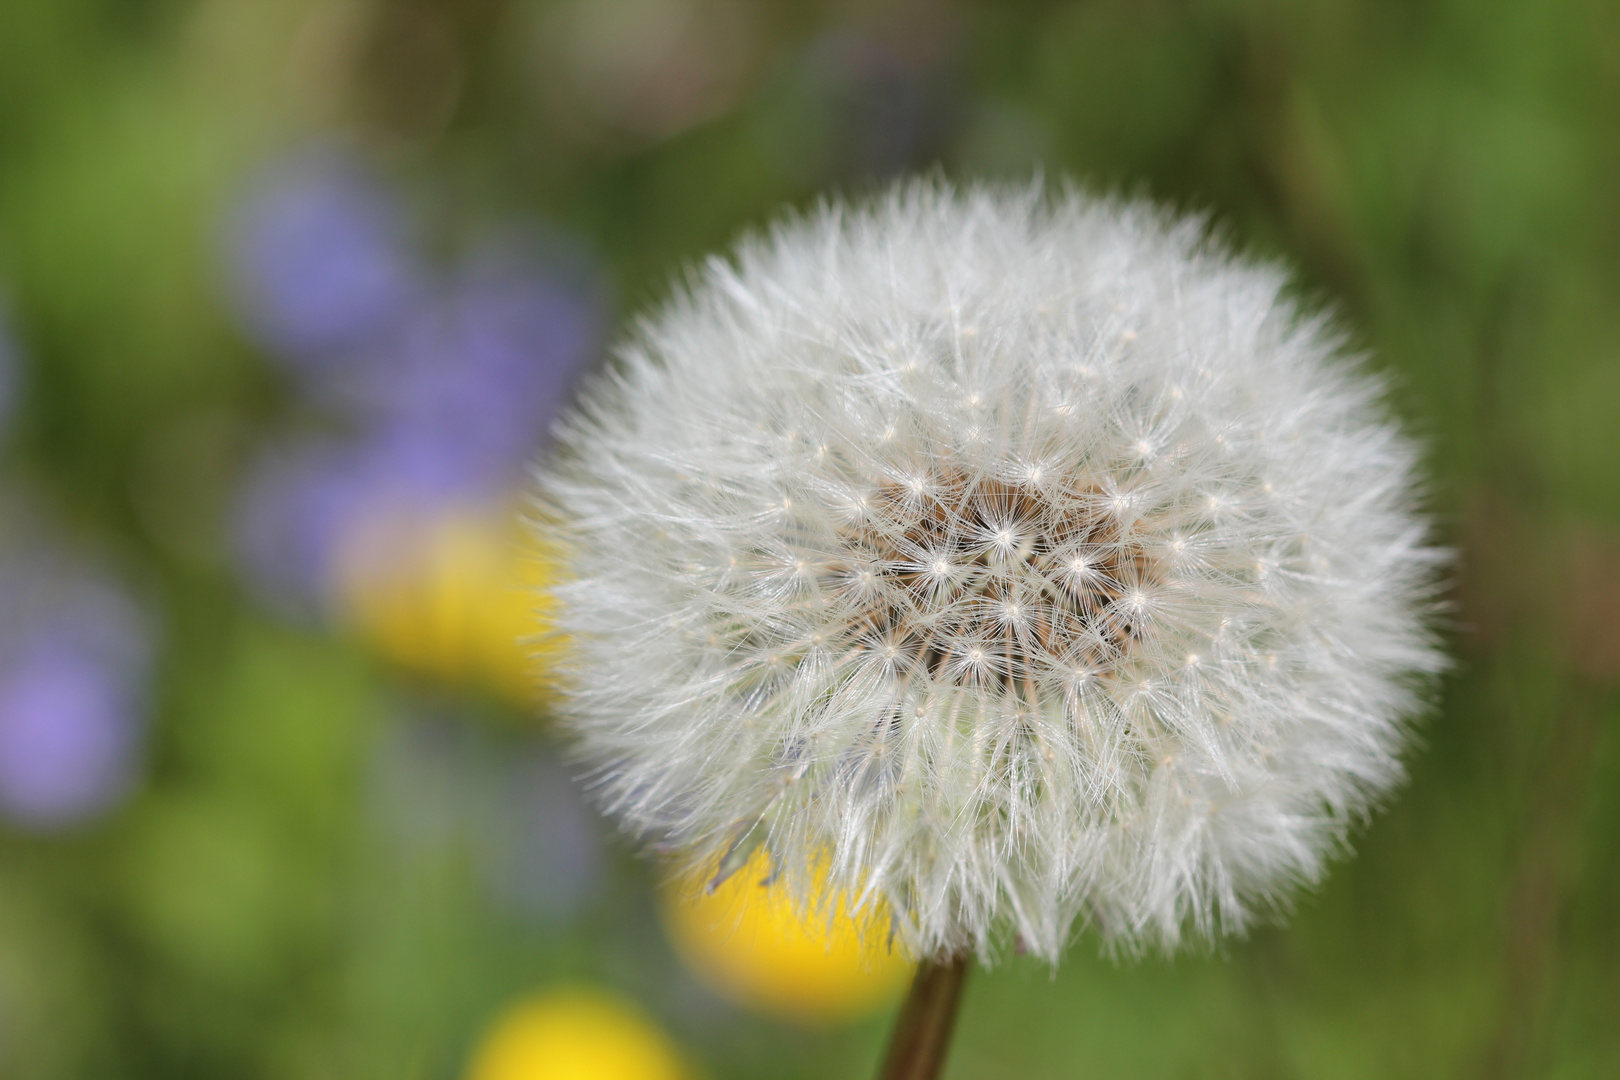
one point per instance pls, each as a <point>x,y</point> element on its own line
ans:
<point>1021,561</point>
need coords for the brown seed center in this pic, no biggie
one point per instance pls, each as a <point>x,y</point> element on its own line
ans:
<point>991,583</point>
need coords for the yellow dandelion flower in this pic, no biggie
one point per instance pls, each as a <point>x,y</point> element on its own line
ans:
<point>749,941</point>
<point>575,1034</point>
<point>455,596</point>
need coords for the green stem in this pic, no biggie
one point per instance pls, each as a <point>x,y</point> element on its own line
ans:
<point>922,1033</point>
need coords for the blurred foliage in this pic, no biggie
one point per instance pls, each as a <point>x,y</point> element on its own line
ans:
<point>329,868</point>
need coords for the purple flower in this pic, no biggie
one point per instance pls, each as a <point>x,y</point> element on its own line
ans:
<point>483,373</point>
<point>303,501</point>
<point>293,510</point>
<point>321,260</point>
<point>73,668</point>
<point>448,414</point>
<point>444,384</point>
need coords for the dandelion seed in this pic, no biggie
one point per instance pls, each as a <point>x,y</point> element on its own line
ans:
<point>1044,698</point>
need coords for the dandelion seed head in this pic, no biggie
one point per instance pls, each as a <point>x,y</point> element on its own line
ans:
<point>1071,661</point>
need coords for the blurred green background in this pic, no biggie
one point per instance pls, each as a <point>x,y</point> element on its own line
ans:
<point>306,858</point>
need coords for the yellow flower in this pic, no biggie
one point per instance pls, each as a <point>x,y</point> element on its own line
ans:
<point>458,596</point>
<point>575,1034</point>
<point>747,941</point>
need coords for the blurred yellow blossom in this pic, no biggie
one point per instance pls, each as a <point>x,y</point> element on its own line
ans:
<point>457,595</point>
<point>575,1034</point>
<point>748,941</point>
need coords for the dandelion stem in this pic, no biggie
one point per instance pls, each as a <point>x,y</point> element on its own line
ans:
<point>922,1033</point>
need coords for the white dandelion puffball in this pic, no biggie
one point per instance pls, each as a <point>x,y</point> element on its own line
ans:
<point>1021,562</point>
